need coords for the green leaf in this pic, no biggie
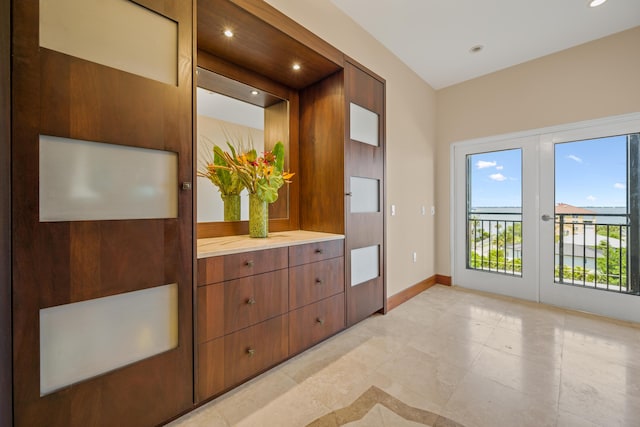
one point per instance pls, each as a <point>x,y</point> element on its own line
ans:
<point>278,152</point>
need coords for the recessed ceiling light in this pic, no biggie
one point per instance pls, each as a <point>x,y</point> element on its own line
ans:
<point>228,33</point>
<point>477,48</point>
<point>254,92</point>
<point>596,3</point>
<point>296,67</point>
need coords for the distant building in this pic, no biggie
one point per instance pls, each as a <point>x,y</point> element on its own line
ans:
<point>572,215</point>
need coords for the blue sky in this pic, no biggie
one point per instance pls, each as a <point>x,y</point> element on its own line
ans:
<point>592,172</point>
<point>496,178</point>
<point>588,173</point>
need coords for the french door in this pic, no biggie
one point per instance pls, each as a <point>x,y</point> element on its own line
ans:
<point>552,216</point>
<point>494,221</point>
<point>589,254</point>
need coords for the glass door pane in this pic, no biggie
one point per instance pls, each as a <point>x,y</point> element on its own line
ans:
<point>494,212</point>
<point>591,214</point>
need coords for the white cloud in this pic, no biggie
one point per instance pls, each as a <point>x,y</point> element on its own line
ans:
<point>619,186</point>
<point>591,198</point>
<point>481,164</point>
<point>497,177</point>
<point>499,168</point>
<point>573,157</point>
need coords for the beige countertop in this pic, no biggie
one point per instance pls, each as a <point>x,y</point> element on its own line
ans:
<point>217,246</point>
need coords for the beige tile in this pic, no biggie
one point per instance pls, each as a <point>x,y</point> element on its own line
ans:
<point>539,347</point>
<point>463,328</point>
<point>449,349</point>
<point>294,408</point>
<point>206,416</point>
<point>596,370</point>
<point>481,402</point>
<point>477,359</point>
<point>434,379</point>
<point>253,397</point>
<point>566,419</point>
<point>608,348</point>
<point>538,380</point>
<point>599,405</point>
<point>338,384</point>
<point>320,357</point>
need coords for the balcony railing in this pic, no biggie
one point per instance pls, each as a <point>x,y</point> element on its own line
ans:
<point>591,251</point>
<point>494,242</point>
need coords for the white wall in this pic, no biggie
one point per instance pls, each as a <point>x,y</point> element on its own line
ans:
<point>410,138</point>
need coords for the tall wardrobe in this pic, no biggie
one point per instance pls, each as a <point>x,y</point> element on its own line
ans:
<point>117,302</point>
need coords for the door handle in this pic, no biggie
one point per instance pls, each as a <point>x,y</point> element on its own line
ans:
<point>546,217</point>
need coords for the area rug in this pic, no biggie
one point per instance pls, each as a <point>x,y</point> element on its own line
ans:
<point>374,396</point>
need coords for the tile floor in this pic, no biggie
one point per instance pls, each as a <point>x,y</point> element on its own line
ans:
<point>471,358</point>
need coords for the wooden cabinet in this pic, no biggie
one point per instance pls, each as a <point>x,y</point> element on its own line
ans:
<point>342,129</point>
<point>315,322</point>
<point>252,299</point>
<point>255,309</point>
<point>312,282</point>
<point>316,293</point>
<point>252,350</point>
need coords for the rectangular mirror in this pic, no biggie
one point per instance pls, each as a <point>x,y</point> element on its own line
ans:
<point>229,111</point>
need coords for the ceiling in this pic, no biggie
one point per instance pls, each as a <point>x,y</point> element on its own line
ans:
<point>434,37</point>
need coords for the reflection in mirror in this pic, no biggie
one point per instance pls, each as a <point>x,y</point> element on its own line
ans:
<point>222,119</point>
<point>246,115</point>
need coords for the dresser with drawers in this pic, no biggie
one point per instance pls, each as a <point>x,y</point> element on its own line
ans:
<point>261,301</point>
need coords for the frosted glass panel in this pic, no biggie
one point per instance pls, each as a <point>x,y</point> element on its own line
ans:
<point>82,180</point>
<point>85,339</point>
<point>116,33</point>
<point>364,125</point>
<point>365,195</point>
<point>364,264</point>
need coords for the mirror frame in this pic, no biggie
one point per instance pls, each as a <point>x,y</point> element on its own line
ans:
<point>216,65</point>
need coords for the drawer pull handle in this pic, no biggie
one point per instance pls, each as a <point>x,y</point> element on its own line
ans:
<point>318,251</point>
<point>320,320</point>
<point>249,263</point>
<point>319,281</point>
<point>251,301</point>
<point>251,352</point>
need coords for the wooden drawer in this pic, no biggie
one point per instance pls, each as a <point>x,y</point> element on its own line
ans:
<point>252,350</point>
<point>210,369</point>
<point>313,323</point>
<point>210,312</point>
<point>312,282</point>
<point>220,268</point>
<point>312,252</point>
<point>252,299</point>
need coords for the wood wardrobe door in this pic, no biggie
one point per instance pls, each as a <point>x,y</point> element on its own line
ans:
<point>89,101</point>
<point>364,175</point>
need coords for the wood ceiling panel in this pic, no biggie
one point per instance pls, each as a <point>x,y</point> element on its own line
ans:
<point>260,46</point>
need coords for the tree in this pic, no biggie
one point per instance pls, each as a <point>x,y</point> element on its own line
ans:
<point>611,264</point>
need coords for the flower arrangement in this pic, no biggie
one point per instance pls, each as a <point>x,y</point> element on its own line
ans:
<point>215,170</point>
<point>239,168</point>
<point>213,167</point>
<point>261,176</point>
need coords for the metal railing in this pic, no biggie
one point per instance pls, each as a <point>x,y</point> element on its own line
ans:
<point>494,242</point>
<point>591,251</point>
